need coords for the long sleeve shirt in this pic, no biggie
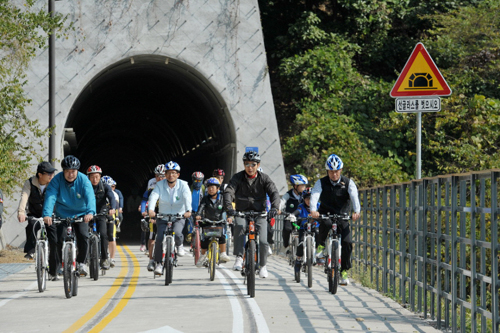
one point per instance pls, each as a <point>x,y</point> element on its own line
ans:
<point>352,190</point>
<point>176,200</point>
<point>70,199</point>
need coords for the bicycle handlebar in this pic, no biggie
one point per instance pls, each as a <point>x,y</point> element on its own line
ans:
<point>57,220</point>
<point>251,214</point>
<point>205,220</point>
<point>168,216</point>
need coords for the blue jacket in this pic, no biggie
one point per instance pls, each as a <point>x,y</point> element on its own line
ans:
<point>69,199</point>
<point>303,211</point>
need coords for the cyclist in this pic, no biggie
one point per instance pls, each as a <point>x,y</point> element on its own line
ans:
<point>197,192</point>
<point>303,210</point>
<point>111,226</point>
<point>211,207</point>
<point>248,189</point>
<point>119,205</point>
<point>159,175</point>
<point>103,195</point>
<point>71,193</point>
<point>174,197</point>
<point>335,194</point>
<point>289,203</point>
<point>32,197</point>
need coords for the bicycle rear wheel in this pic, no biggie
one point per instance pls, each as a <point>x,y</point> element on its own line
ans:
<point>213,260</point>
<point>68,270</point>
<point>75,276</point>
<point>251,268</point>
<point>291,250</point>
<point>196,245</point>
<point>334,268</point>
<point>41,270</point>
<point>169,265</point>
<point>310,253</point>
<point>228,240</point>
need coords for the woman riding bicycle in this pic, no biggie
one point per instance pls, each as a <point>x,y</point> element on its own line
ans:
<point>211,207</point>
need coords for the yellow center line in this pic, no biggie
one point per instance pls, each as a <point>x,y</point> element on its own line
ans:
<point>109,294</point>
<point>126,297</point>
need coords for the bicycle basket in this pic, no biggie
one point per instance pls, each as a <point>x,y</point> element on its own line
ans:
<point>213,231</point>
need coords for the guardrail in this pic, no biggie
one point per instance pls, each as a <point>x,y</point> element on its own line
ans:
<point>433,245</point>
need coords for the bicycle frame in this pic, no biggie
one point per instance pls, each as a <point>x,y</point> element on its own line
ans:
<point>333,242</point>
<point>169,234</point>
<point>41,265</point>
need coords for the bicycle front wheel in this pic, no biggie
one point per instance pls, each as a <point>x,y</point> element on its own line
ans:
<point>334,268</point>
<point>94,258</point>
<point>213,260</point>
<point>309,253</point>
<point>41,270</point>
<point>251,268</point>
<point>169,264</point>
<point>196,245</point>
<point>68,275</point>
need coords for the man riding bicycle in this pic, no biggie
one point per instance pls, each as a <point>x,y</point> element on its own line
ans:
<point>72,195</point>
<point>248,189</point>
<point>174,197</point>
<point>103,195</point>
<point>335,194</point>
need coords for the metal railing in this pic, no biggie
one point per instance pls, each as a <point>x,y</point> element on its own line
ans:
<point>433,245</point>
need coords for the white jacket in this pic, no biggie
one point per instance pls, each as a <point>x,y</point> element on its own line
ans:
<point>171,201</point>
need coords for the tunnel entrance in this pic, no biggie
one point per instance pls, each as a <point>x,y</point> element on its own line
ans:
<point>147,110</point>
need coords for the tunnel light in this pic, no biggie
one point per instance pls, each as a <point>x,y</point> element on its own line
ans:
<point>193,149</point>
<point>197,146</point>
<point>166,61</point>
<point>132,60</point>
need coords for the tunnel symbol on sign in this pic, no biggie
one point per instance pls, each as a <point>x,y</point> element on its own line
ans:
<point>420,81</point>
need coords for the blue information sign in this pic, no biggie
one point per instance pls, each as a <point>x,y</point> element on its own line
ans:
<point>255,149</point>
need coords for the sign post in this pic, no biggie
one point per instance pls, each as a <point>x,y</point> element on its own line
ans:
<point>417,90</point>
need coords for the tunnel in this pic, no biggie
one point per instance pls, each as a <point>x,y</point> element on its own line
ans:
<point>147,110</point>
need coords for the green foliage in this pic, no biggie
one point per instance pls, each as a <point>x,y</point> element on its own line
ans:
<point>22,32</point>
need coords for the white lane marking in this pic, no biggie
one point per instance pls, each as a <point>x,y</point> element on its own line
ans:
<point>235,305</point>
<point>164,329</point>
<point>29,288</point>
<point>254,307</point>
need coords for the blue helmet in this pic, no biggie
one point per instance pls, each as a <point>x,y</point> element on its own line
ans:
<point>334,163</point>
<point>172,166</point>
<point>213,181</point>
<point>107,180</point>
<point>298,180</point>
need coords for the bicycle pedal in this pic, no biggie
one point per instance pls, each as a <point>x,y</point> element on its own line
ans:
<point>243,273</point>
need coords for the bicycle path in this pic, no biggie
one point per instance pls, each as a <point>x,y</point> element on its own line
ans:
<point>129,299</point>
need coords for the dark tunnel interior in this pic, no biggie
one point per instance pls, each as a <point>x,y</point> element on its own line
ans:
<point>147,110</point>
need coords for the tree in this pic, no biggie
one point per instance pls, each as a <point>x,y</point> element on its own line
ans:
<point>23,31</point>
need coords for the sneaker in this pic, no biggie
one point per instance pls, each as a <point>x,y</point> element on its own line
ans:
<point>53,277</point>
<point>202,260</point>
<point>84,271</point>
<point>238,263</point>
<point>263,272</point>
<point>224,257</point>
<point>319,252</point>
<point>269,250</point>
<point>180,251</point>
<point>142,248</point>
<point>30,256</point>
<point>159,269</point>
<point>104,263</point>
<point>344,278</point>
<point>151,265</point>
<point>112,263</point>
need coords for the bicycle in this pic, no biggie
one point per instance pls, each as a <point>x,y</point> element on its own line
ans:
<point>309,258</point>
<point>333,247</point>
<point>196,242</point>
<point>41,255</point>
<point>215,231</point>
<point>293,242</point>
<point>169,256</point>
<point>251,253</point>
<point>70,273</point>
<point>94,249</point>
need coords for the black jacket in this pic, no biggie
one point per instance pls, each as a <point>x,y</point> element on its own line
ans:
<point>211,210</point>
<point>251,197</point>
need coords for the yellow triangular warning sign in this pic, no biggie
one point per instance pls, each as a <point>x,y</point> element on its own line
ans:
<point>420,77</point>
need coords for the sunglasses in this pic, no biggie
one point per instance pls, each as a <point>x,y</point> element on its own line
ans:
<point>253,165</point>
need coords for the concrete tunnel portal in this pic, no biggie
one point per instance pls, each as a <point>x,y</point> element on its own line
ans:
<point>147,110</point>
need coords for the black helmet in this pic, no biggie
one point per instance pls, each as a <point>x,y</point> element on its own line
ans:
<point>251,156</point>
<point>70,162</point>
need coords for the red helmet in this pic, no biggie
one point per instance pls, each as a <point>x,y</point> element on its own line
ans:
<point>198,176</point>
<point>94,169</point>
<point>218,172</point>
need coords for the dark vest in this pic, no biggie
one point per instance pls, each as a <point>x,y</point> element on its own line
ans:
<point>292,204</point>
<point>35,201</point>
<point>100,198</point>
<point>334,199</point>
